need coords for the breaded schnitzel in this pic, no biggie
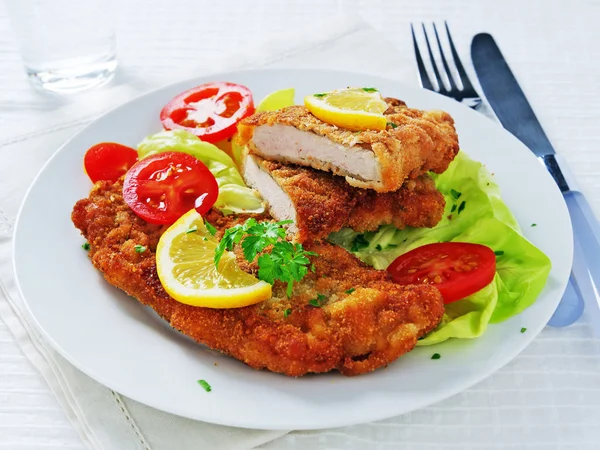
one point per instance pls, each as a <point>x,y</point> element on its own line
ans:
<point>320,203</point>
<point>366,321</point>
<point>414,143</point>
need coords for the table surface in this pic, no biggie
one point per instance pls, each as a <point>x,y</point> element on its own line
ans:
<point>551,45</point>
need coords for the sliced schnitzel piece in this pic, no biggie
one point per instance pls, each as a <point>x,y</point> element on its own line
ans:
<point>414,143</point>
<point>362,320</point>
<point>320,203</point>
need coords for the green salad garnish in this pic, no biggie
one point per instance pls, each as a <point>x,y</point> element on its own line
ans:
<point>234,195</point>
<point>483,218</point>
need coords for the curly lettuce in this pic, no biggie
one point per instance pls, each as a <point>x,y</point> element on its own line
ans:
<point>474,213</point>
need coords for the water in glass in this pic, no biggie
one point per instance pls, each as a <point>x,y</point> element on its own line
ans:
<point>66,45</point>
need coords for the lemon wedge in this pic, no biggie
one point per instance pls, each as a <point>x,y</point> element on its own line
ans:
<point>186,269</point>
<point>353,108</point>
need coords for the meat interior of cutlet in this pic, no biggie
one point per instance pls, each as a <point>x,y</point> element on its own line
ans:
<point>414,143</point>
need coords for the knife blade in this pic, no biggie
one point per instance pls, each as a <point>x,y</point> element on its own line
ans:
<point>516,115</point>
<point>510,104</point>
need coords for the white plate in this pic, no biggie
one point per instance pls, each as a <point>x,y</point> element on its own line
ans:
<point>127,347</point>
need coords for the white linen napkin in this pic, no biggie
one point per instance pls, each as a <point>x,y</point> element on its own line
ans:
<point>547,398</point>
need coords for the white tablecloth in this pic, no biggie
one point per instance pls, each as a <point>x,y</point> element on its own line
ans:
<point>547,398</point>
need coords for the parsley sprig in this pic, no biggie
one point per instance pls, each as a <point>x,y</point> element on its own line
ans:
<point>205,385</point>
<point>319,301</point>
<point>287,261</point>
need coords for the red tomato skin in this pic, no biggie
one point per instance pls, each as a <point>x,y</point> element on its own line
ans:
<point>108,161</point>
<point>163,187</point>
<point>456,282</point>
<point>222,127</point>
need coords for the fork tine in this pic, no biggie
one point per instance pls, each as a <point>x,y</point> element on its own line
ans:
<point>444,62</point>
<point>423,76</point>
<point>441,86</point>
<point>464,79</point>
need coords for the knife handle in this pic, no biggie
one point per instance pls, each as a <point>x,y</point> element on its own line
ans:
<point>571,305</point>
<point>587,242</point>
<point>584,285</point>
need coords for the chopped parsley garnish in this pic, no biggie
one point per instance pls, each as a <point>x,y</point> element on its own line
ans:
<point>287,312</point>
<point>319,95</point>
<point>499,253</point>
<point>461,206</point>
<point>392,124</point>
<point>436,356</point>
<point>378,247</point>
<point>370,89</point>
<point>287,261</point>
<point>455,194</point>
<point>205,385</point>
<point>534,224</point>
<point>86,246</point>
<point>359,243</point>
<point>453,208</point>
<point>191,230</point>
<point>140,248</point>
<point>212,230</point>
<point>523,330</point>
<point>317,302</point>
<point>350,291</point>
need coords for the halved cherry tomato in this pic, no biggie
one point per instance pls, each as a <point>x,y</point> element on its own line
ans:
<point>108,161</point>
<point>163,187</point>
<point>457,269</point>
<point>211,111</point>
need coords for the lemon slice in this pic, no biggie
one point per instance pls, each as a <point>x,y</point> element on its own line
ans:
<point>186,269</point>
<point>353,108</point>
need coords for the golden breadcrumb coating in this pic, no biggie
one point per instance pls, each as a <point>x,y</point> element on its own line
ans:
<point>325,203</point>
<point>354,332</point>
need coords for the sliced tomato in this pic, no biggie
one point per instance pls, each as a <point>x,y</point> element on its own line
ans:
<point>457,269</point>
<point>211,111</point>
<point>108,161</point>
<point>163,187</point>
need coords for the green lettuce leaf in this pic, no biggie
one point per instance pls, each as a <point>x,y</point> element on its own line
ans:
<point>474,213</point>
<point>234,195</point>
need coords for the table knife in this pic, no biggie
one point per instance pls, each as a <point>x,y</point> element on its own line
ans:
<point>514,112</point>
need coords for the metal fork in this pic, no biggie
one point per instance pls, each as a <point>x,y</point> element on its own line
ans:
<point>467,95</point>
<point>568,311</point>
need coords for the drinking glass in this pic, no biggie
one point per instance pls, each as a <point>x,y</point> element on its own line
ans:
<point>66,45</point>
